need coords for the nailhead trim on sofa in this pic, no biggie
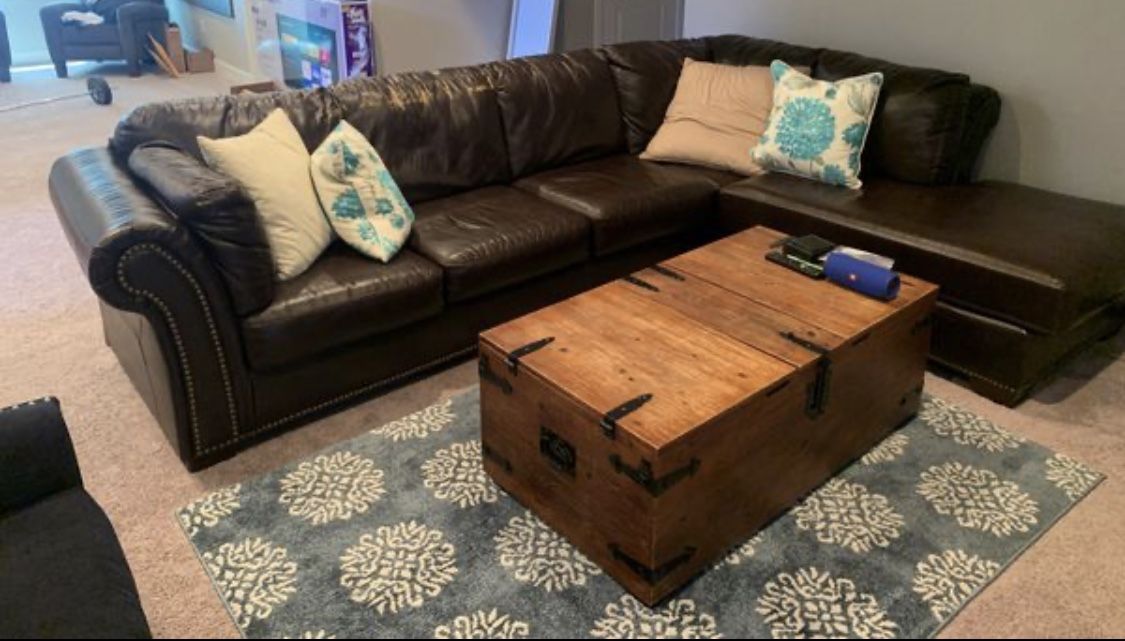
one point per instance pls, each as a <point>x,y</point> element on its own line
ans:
<point>181,352</point>
<point>31,403</point>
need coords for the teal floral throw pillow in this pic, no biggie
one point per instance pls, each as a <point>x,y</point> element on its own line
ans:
<point>361,200</point>
<point>817,128</point>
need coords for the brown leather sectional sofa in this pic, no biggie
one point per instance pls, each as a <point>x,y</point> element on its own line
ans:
<point>527,189</point>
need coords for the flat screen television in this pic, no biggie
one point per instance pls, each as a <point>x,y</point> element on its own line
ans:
<point>308,53</point>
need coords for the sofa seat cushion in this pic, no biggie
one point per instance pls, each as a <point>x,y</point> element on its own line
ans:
<point>343,297</point>
<point>64,574</point>
<point>106,33</point>
<point>628,200</point>
<point>495,236</point>
<point>1038,259</point>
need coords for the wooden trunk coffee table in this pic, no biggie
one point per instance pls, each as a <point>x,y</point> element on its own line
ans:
<point>660,419</point>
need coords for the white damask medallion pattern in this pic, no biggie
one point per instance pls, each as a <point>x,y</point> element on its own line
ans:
<point>254,576</point>
<point>890,449</point>
<point>397,567</point>
<point>849,515</point>
<point>419,424</point>
<point>813,604</point>
<point>332,487</point>
<point>209,510</point>
<point>946,581</point>
<point>1070,476</point>
<point>483,625</point>
<point>456,474</point>
<point>743,552</point>
<point>978,499</point>
<point>536,554</point>
<point>628,618</point>
<point>966,428</point>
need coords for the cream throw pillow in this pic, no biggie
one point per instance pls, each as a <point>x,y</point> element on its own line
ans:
<point>272,164</point>
<point>360,198</point>
<point>715,117</point>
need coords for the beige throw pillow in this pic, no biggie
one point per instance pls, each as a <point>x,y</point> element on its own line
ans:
<point>272,164</point>
<point>715,117</point>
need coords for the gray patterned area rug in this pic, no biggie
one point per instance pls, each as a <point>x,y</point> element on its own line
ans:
<point>399,533</point>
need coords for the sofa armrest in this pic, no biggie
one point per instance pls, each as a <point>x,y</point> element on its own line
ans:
<point>135,21</point>
<point>141,10</point>
<point>36,455</point>
<point>140,259</point>
<point>220,214</point>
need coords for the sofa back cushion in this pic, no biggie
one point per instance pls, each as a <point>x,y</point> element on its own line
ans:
<point>743,50</point>
<point>558,109</point>
<point>645,74</point>
<point>179,122</point>
<point>438,133</point>
<point>920,120</point>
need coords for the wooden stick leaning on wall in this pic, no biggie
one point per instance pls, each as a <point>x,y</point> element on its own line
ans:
<point>160,55</point>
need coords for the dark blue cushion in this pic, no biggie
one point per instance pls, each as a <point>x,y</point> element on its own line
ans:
<point>63,574</point>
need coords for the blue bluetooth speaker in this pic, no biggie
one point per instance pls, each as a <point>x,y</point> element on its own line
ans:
<point>863,277</point>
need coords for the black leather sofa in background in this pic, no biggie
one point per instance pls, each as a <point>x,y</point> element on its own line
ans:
<point>123,35</point>
<point>62,572</point>
<point>527,189</point>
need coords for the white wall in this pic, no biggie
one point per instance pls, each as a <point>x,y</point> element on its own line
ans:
<point>229,38</point>
<point>25,31</point>
<point>1057,65</point>
<point>412,35</point>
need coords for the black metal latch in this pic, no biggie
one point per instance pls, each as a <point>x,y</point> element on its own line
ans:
<point>643,476</point>
<point>512,359</point>
<point>557,450</point>
<point>609,421</point>
<point>491,454</point>
<point>651,576</point>
<point>816,400</point>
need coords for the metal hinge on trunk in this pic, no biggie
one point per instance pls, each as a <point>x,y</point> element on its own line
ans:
<point>643,475</point>
<point>816,399</point>
<point>491,454</point>
<point>651,576</point>
<point>512,358</point>
<point>609,420</point>
<point>489,376</point>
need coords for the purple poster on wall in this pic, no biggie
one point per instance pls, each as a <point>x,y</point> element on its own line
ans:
<point>359,53</point>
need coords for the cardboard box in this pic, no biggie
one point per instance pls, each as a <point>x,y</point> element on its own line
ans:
<point>174,45</point>
<point>201,61</point>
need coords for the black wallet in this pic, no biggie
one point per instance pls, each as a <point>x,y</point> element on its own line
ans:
<point>809,248</point>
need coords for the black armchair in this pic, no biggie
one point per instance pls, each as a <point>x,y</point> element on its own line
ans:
<point>62,571</point>
<point>123,35</point>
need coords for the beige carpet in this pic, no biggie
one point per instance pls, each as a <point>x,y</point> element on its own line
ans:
<point>1070,584</point>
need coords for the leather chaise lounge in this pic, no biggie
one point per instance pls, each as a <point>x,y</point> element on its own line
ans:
<point>527,189</point>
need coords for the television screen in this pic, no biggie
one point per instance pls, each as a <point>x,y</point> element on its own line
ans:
<point>308,53</point>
